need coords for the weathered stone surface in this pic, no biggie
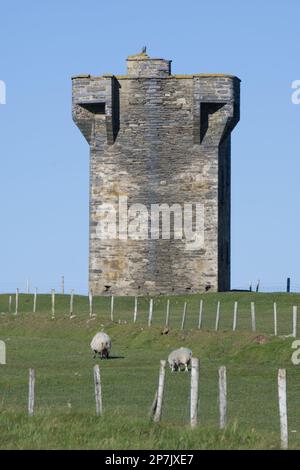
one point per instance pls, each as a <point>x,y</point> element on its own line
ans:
<point>157,138</point>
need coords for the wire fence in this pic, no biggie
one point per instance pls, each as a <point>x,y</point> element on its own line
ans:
<point>276,315</point>
<point>65,285</point>
<point>219,398</point>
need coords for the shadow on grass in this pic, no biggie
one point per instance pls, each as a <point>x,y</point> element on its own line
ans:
<point>109,358</point>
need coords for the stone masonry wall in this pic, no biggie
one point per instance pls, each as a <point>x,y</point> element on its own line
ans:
<point>158,138</point>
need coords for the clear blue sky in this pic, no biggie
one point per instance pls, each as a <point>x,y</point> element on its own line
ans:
<point>44,158</point>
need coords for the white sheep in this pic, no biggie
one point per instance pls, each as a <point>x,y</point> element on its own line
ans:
<point>101,345</point>
<point>181,356</point>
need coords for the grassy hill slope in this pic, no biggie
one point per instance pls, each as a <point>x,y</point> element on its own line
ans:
<point>58,349</point>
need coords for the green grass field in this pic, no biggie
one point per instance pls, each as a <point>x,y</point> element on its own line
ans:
<point>58,349</point>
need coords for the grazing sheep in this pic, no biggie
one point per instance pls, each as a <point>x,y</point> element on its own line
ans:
<point>101,345</point>
<point>181,356</point>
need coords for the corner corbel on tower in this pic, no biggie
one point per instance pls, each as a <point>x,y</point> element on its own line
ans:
<point>96,108</point>
<point>215,108</point>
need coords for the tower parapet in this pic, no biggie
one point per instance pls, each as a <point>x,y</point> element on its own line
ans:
<point>141,65</point>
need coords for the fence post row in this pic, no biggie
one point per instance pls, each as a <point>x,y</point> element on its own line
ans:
<point>167,320</point>
<point>156,408</point>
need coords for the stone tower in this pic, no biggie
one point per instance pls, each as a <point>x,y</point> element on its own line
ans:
<point>157,139</point>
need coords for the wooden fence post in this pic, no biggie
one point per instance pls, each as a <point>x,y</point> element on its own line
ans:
<point>62,285</point>
<point>135,309</point>
<point>160,392</point>
<point>91,303</point>
<point>112,308</point>
<point>2,353</point>
<point>31,392</point>
<point>9,303</point>
<point>17,301</point>
<point>71,302</point>
<point>217,316</point>
<point>200,314</point>
<point>150,312</point>
<point>253,323</point>
<point>275,318</point>
<point>53,302</point>
<point>168,312</point>
<point>222,396</point>
<point>235,310</point>
<point>295,321</point>
<point>98,391</point>
<point>194,391</point>
<point>283,408</point>
<point>183,316</point>
<point>34,300</point>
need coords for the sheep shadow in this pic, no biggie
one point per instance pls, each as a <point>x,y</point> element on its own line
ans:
<point>109,358</point>
<point>116,357</point>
